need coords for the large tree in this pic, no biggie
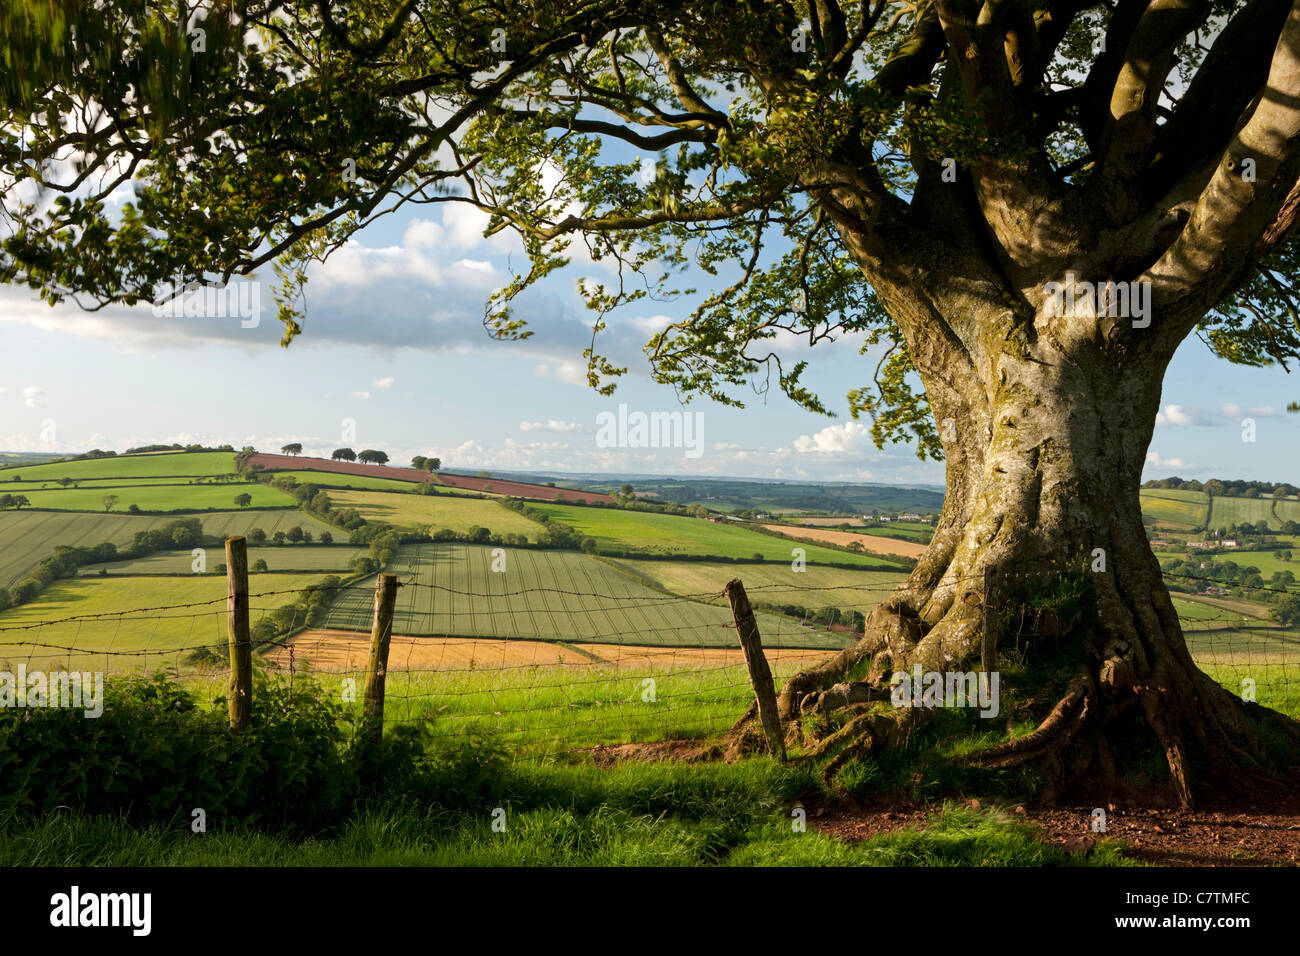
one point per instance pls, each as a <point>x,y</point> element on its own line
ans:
<point>950,178</point>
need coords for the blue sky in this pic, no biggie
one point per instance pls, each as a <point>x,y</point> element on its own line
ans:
<point>393,347</point>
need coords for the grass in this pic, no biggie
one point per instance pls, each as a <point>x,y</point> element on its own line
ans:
<point>123,637</point>
<point>29,537</point>
<point>128,466</point>
<point>51,484</point>
<point>634,815</point>
<point>1266,561</point>
<point>166,497</point>
<point>660,534</point>
<point>551,596</point>
<point>550,712</point>
<point>1226,512</point>
<point>1171,507</point>
<point>770,583</point>
<point>442,511</point>
<point>288,557</point>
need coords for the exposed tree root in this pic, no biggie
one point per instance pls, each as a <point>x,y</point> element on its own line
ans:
<point>1084,742</point>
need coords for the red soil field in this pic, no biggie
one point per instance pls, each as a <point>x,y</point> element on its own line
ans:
<point>495,486</point>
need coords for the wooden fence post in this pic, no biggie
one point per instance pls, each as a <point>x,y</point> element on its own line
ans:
<point>240,694</point>
<point>381,633</point>
<point>760,675</point>
<point>989,645</point>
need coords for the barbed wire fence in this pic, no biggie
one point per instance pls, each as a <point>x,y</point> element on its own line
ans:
<point>458,646</point>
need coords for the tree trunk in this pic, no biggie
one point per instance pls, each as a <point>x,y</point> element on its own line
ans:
<point>1045,438</point>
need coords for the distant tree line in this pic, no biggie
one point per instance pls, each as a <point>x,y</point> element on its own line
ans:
<point>1238,488</point>
<point>176,447</point>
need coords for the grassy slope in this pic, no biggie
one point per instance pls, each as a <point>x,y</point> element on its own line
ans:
<point>595,603</point>
<point>674,534</point>
<point>128,466</point>
<point>770,583</point>
<point>51,484</point>
<point>286,557</point>
<point>1230,511</point>
<point>1182,508</point>
<point>458,514</point>
<point>126,637</point>
<point>171,497</point>
<point>28,537</point>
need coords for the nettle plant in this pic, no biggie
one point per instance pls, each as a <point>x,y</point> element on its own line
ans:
<point>930,175</point>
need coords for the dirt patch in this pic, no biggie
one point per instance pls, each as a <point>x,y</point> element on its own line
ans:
<point>830,522</point>
<point>872,542</point>
<point>685,751</point>
<point>332,650</point>
<point>1261,836</point>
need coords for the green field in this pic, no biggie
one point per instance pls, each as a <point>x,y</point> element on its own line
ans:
<point>1185,509</point>
<point>287,557</point>
<point>456,513</point>
<point>1286,510</point>
<point>149,497</point>
<point>652,533</point>
<point>330,479</point>
<point>1266,561</point>
<point>1267,655</point>
<point>550,596</point>
<point>51,484</point>
<point>127,636</point>
<point>1230,511</point>
<point>29,537</point>
<point>768,583</point>
<point>128,466</point>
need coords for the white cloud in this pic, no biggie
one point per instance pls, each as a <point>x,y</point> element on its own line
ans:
<point>361,395</point>
<point>1236,413</point>
<point>574,373</point>
<point>33,396</point>
<point>382,382</point>
<point>550,425</point>
<point>1178,415</point>
<point>835,439</point>
<point>1154,459</point>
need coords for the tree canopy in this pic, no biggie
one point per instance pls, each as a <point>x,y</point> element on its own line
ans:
<point>790,149</point>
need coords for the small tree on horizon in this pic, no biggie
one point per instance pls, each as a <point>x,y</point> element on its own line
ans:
<point>294,448</point>
<point>343,454</point>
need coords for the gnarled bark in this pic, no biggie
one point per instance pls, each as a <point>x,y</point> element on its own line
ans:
<point>1043,482</point>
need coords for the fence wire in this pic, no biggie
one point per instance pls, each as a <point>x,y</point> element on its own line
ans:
<point>547,657</point>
